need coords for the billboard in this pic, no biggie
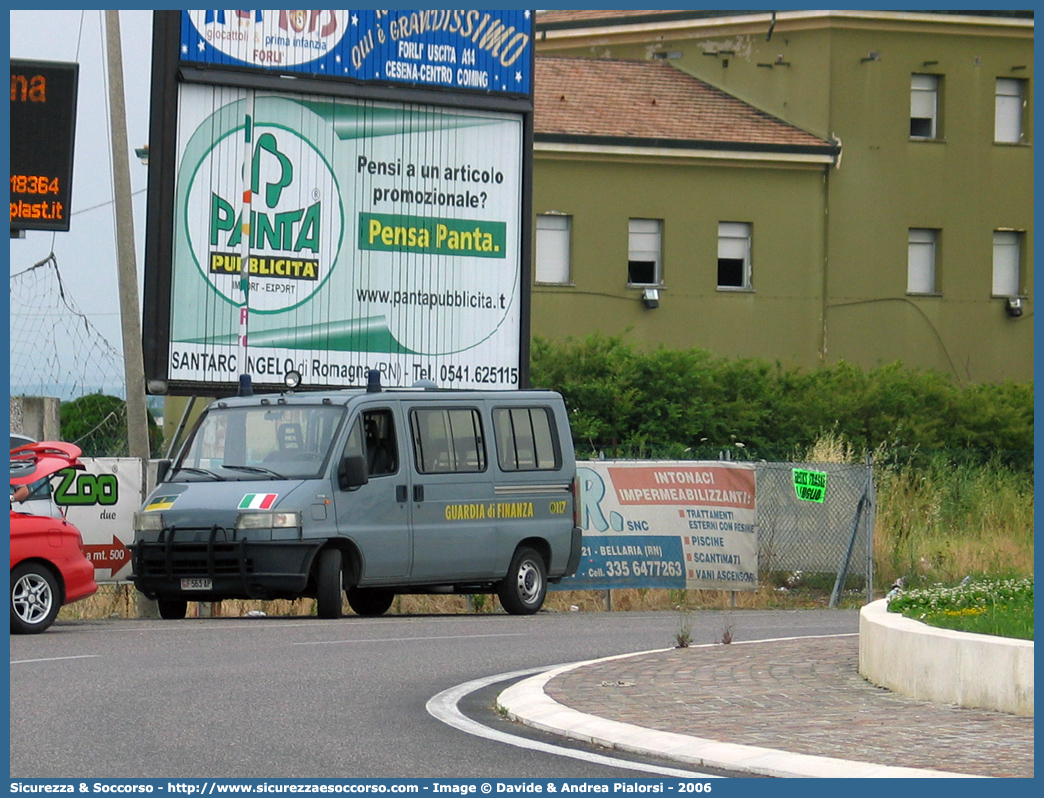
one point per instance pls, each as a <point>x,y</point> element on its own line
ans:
<point>383,220</point>
<point>100,501</point>
<point>43,130</point>
<point>667,524</point>
<point>383,236</point>
<point>459,49</point>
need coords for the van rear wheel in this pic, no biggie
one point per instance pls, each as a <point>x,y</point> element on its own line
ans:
<point>522,591</point>
<point>328,585</point>
<point>369,601</point>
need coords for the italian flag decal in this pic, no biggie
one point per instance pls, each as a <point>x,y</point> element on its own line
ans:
<point>258,501</point>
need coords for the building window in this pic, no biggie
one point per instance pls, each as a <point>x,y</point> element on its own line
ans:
<point>734,255</point>
<point>1007,125</point>
<point>1007,259</point>
<point>644,260</point>
<point>920,275</point>
<point>553,235</point>
<point>924,106</point>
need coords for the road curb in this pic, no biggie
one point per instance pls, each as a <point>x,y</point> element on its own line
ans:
<point>527,703</point>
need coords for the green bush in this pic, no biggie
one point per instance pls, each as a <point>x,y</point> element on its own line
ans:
<point>691,403</point>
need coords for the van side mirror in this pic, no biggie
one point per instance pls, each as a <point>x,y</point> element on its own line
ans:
<point>352,472</point>
<point>162,469</point>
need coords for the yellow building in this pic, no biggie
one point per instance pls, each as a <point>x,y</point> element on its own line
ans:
<point>805,186</point>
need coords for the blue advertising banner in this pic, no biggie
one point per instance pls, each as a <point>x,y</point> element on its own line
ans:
<point>469,50</point>
<point>666,524</point>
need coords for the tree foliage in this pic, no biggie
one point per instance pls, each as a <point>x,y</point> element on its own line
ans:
<point>691,403</point>
<point>97,423</point>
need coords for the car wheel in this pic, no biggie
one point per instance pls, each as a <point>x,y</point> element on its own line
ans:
<point>328,589</point>
<point>35,599</point>
<point>368,601</point>
<point>172,609</point>
<point>522,591</point>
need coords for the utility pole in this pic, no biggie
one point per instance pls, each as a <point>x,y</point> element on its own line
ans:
<point>127,270</point>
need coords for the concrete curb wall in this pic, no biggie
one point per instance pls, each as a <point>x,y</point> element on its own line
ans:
<point>920,661</point>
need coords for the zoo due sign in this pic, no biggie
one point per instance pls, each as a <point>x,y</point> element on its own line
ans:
<point>667,524</point>
<point>101,501</point>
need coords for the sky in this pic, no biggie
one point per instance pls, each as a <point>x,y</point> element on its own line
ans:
<point>86,254</point>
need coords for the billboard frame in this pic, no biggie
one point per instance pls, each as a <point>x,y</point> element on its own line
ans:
<point>169,72</point>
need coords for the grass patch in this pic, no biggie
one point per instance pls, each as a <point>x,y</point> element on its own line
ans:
<point>938,522</point>
<point>1001,607</point>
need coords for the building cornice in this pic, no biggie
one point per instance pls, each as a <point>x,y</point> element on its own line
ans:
<point>580,33</point>
<point>612,149</point>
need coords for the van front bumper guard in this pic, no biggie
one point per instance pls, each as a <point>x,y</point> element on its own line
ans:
<point>241,568</point>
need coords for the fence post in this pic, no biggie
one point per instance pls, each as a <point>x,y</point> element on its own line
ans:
<point>871,521</point>
<point>842,573</point>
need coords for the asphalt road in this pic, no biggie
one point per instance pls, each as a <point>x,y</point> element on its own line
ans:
<point>304,698</point>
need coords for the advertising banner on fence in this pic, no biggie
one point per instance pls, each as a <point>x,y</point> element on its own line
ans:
<point>382,236</point>
<point>464,49</point>
<point>101,501</point>
<point>668,524</point>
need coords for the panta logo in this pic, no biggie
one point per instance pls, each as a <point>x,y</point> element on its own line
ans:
<point>295,218</point>
<point>286,231</point>
<point>271,38</point>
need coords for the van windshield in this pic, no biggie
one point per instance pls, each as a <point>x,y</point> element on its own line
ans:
<point>252,443</point>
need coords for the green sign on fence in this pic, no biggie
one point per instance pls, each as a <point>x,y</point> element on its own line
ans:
<point>810,486</point>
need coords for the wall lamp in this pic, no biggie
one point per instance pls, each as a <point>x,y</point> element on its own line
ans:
<point>1013,305</point>
<point>651,298</point>
<point>873,55</point>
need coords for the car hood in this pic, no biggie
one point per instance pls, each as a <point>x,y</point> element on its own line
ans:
<point>36,461</point>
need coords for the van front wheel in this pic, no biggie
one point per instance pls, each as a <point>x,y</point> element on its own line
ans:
<point>368,601</point>
<point>522,591</point>
<point>328,586</point>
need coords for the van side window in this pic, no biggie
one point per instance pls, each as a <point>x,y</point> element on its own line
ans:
<point>447,441</point>
<point>381,448</point>
<point>525,439</point>
<point>373,436</point>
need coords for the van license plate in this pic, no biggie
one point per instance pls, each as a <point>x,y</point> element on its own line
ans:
<point>197,584</point>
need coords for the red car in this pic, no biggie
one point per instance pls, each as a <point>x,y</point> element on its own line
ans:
<point>48,566</point>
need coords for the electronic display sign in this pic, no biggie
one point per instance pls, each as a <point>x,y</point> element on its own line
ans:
<point>43,129</point>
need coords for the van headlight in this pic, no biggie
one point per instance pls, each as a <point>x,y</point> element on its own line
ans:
<point>268,520</point>
<point>148,522</point>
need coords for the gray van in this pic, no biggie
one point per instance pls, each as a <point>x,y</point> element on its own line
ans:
<point>364,492</point>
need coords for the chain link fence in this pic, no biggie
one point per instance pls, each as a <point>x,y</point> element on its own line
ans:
<point>833,537</point>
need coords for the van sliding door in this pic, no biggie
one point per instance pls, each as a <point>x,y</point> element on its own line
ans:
<point>453,538</point>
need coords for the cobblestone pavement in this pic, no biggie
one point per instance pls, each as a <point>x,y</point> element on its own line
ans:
<point>801,696</point>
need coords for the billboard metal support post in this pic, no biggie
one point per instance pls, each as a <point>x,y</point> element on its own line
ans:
<point>245,388</point>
